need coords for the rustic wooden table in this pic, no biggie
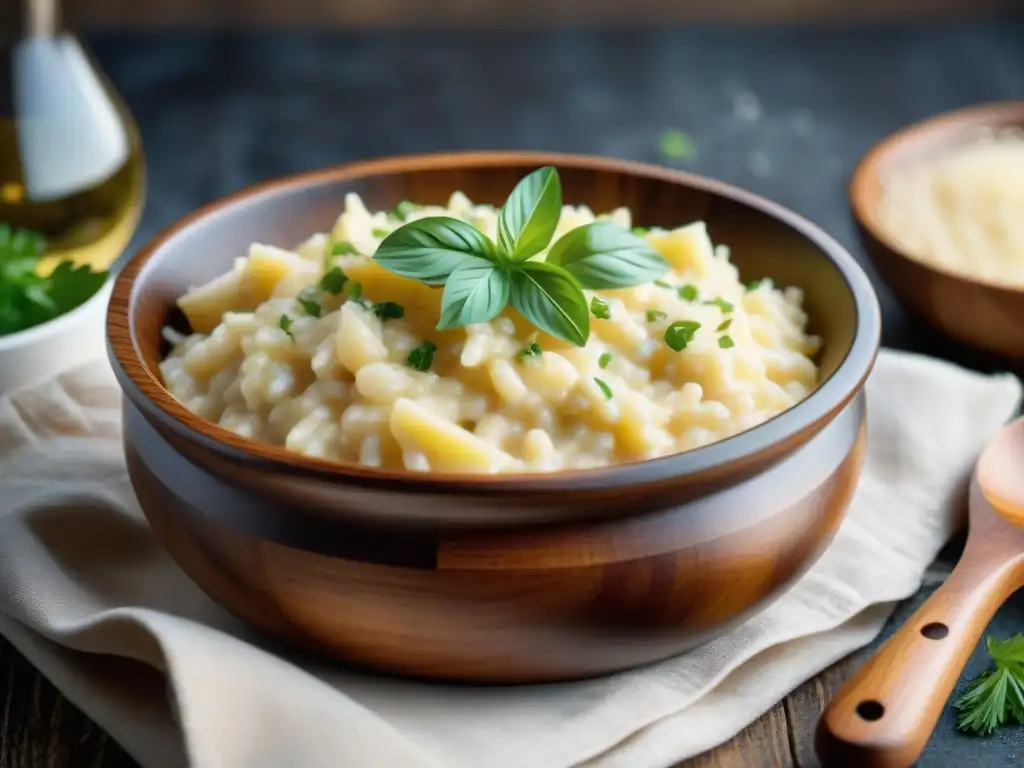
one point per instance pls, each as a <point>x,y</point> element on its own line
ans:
<point>758,105</point>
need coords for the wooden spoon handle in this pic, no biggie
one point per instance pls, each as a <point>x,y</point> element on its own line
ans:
<point>885,714</point>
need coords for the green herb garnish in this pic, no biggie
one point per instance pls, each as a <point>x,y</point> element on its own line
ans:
<point>726,342</point>
<point>405,209</point>
<point>724,325</point>
<point>600,308</point>
<point>333,281</point>
<point>532,350</point>
<point>422,357</point>
<point>481,277</point>
<point>342,248</point>
<point>722,304</point>
<point>28,299</point>
<point>752,285</point>
<point>605,389</point>
<point>996,697</point>
<point>389,310</point>
<point>662,284</point>
<point>676,145</point>
<point>380,232</point>
<point>640,231</point>
<point>354,291</point>
<point>687,292</point>
<point>285,324</point>
<point>654,315</point>
<point>680,333</point>
<point>309,305</point>
<point>604,360</point>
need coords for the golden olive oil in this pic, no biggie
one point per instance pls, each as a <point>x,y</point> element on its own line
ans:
<point>71,164</point>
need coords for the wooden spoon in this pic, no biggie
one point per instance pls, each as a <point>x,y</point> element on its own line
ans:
<point>885,714</point>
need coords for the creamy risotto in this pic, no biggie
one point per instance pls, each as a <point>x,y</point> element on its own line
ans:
<point>322,350</point>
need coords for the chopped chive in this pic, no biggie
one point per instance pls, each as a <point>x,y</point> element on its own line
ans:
<point>355,291</point>
<point>724,326</point>
<point>404,209</point>
<point>342,248</point>
<point>333,281</point>
<point>285,324</point>
<point>688,292</point>
<point>680,333</point>
<point>662,284</point>
<point>604,360</point>
<point>422,357</point>
<point>722,304</point>
<point>388,310</point>
<point>752,285</point>
<point>533,350</point>
<point>380,233</point>
<point>310,306</point>
<point>605,389</point>
<point>600,308</point>
<point>725,342</point>
<point>640,231</point>
<point>654,315</point>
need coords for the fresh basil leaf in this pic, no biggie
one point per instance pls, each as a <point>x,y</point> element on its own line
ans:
<point>429,249</point>
<point>604,255</point>
<point>476,291</point>
<point>552,300</point>
<point>529,217</point>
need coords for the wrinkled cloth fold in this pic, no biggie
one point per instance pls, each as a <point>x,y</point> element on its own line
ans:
<point>89,596</point>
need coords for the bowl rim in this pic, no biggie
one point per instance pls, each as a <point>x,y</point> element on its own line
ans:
<point>143,386</point>
<point>40,334</point>
<point>868,173</point>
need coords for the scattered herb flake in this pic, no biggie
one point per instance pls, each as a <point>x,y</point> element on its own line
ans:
<point>662,284</point>
<point>285,324</point>
<point>380,233</point>
<point>333,281</point>
<point>422,357</point>
<point>688,292</point>
<point>389,310</point>
<point>604,360</point>
<point>726,342</point>
<point>533,350</point>
<point>354,291</point>
<point>680,333</point>
<point>405,209</point>
<point>654,315</point>
<point>722,304</point>
<point>342,248</point>
<point>676,145</point>
<point>310,305</point>
<point>724,325</point>
<point>753,285</point>
<point>600,308</point>
<point>640,231</point>
<point>605,389</point>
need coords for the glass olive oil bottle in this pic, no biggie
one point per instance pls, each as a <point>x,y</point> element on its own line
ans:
<point>71,163</point>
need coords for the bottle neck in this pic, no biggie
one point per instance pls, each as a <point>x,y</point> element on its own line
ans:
<point>41,18</point>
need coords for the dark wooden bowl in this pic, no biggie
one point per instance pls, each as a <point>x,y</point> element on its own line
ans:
<point>496,578</point>
<point>980,313</point>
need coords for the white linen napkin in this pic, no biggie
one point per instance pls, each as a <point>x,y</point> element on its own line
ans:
<point>89,597</point>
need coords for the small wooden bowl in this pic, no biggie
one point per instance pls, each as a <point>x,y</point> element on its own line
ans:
<point>980,313</point>
<point>496,578</point>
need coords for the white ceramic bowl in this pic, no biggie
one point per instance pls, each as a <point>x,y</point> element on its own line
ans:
<point>63,343</point>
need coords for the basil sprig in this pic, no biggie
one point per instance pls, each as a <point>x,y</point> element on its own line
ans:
<point>480,277</point>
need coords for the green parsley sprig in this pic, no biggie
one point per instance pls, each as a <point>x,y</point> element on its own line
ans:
<point>996,697</point>
<point>481,277</point>
<point>28,299</point>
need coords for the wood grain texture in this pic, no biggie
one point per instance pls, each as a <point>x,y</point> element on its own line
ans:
<point>392,13</point>
<point>884,716</point>
<point>980,313</point>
